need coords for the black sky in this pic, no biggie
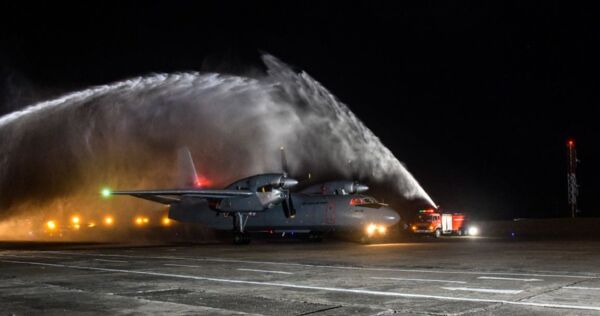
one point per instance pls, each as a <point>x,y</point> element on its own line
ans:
<point>477,99</point>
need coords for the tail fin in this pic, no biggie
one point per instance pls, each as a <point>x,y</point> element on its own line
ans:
<point>187,177</point>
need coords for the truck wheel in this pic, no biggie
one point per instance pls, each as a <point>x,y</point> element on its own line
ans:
<point>364,239</point>
<point>459,232</point>
<point>437,233</point>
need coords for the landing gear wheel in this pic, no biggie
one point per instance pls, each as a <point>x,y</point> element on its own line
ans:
<point>240,239</point>
<point>364,239</point>
<point>437,233</point>
<point>312,237</point>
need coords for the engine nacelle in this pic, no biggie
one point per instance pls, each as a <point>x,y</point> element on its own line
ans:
<point>271,189</point>
<point>263,182</point>
<point>337,188</point>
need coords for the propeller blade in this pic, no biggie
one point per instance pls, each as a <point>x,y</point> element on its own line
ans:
<point>291,205</point>
<point>284,165</point>
<point>288,206</point>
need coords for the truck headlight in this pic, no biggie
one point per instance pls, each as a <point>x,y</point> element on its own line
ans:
<point>473,231</point>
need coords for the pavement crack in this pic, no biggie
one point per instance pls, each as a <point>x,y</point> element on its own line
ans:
<point>321,310</point>
<point>556,288</point>
<point>479,310</point>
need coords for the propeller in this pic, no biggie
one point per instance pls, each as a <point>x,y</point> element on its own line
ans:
<point>288,205</point>
<point>284,165</point>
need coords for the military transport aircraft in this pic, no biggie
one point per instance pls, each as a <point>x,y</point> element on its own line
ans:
<point>263,203</point>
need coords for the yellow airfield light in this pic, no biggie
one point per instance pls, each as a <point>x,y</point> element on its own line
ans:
<point>51,225</point>
<point>108,220</point>
<point>142,220</point>
<point>75,219</point>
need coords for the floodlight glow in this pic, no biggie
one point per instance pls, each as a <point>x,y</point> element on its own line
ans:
<point>473,231</point>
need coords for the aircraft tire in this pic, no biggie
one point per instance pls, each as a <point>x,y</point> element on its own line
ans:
<point>241,239</point>
<point>315,237</point>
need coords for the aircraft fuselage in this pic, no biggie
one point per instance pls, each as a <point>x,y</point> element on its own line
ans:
<point>315,213</point>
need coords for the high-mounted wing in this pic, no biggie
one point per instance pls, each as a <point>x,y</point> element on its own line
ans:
<point>173,196</point>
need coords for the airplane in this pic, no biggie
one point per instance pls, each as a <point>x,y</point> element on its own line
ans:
<point>263,203</point>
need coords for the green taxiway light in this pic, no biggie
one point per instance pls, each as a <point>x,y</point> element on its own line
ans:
<point>105,192</point>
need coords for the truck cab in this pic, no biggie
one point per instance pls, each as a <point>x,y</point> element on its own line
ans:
<point>427,222</point>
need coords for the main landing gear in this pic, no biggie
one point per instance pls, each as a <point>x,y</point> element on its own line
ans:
<point>314,237</point>
<point>240,239</point>
<point>239,223</point>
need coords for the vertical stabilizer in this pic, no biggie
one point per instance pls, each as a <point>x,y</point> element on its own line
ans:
<point>187,177</point>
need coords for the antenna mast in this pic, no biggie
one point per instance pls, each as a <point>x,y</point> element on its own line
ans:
<point>572,187</point>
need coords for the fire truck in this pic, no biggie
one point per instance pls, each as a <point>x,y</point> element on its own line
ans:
<point>436,223</point>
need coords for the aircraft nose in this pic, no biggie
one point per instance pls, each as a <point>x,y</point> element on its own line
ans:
<point>391,217</point>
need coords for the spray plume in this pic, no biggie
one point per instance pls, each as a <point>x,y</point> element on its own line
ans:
<point>126,135</point>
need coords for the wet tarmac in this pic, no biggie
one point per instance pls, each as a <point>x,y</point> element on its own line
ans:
<point>450,276</point>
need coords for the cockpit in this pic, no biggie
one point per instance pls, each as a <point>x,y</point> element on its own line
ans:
<point>427,218</point>
<point>365,201</point>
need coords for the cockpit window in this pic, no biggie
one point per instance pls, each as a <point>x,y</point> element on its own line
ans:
<point>362,200</point>
<point>425,218</point>
<point>368,200</point>
<point>365,202</point>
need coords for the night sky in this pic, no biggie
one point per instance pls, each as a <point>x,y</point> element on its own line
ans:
<point>477,99</point>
